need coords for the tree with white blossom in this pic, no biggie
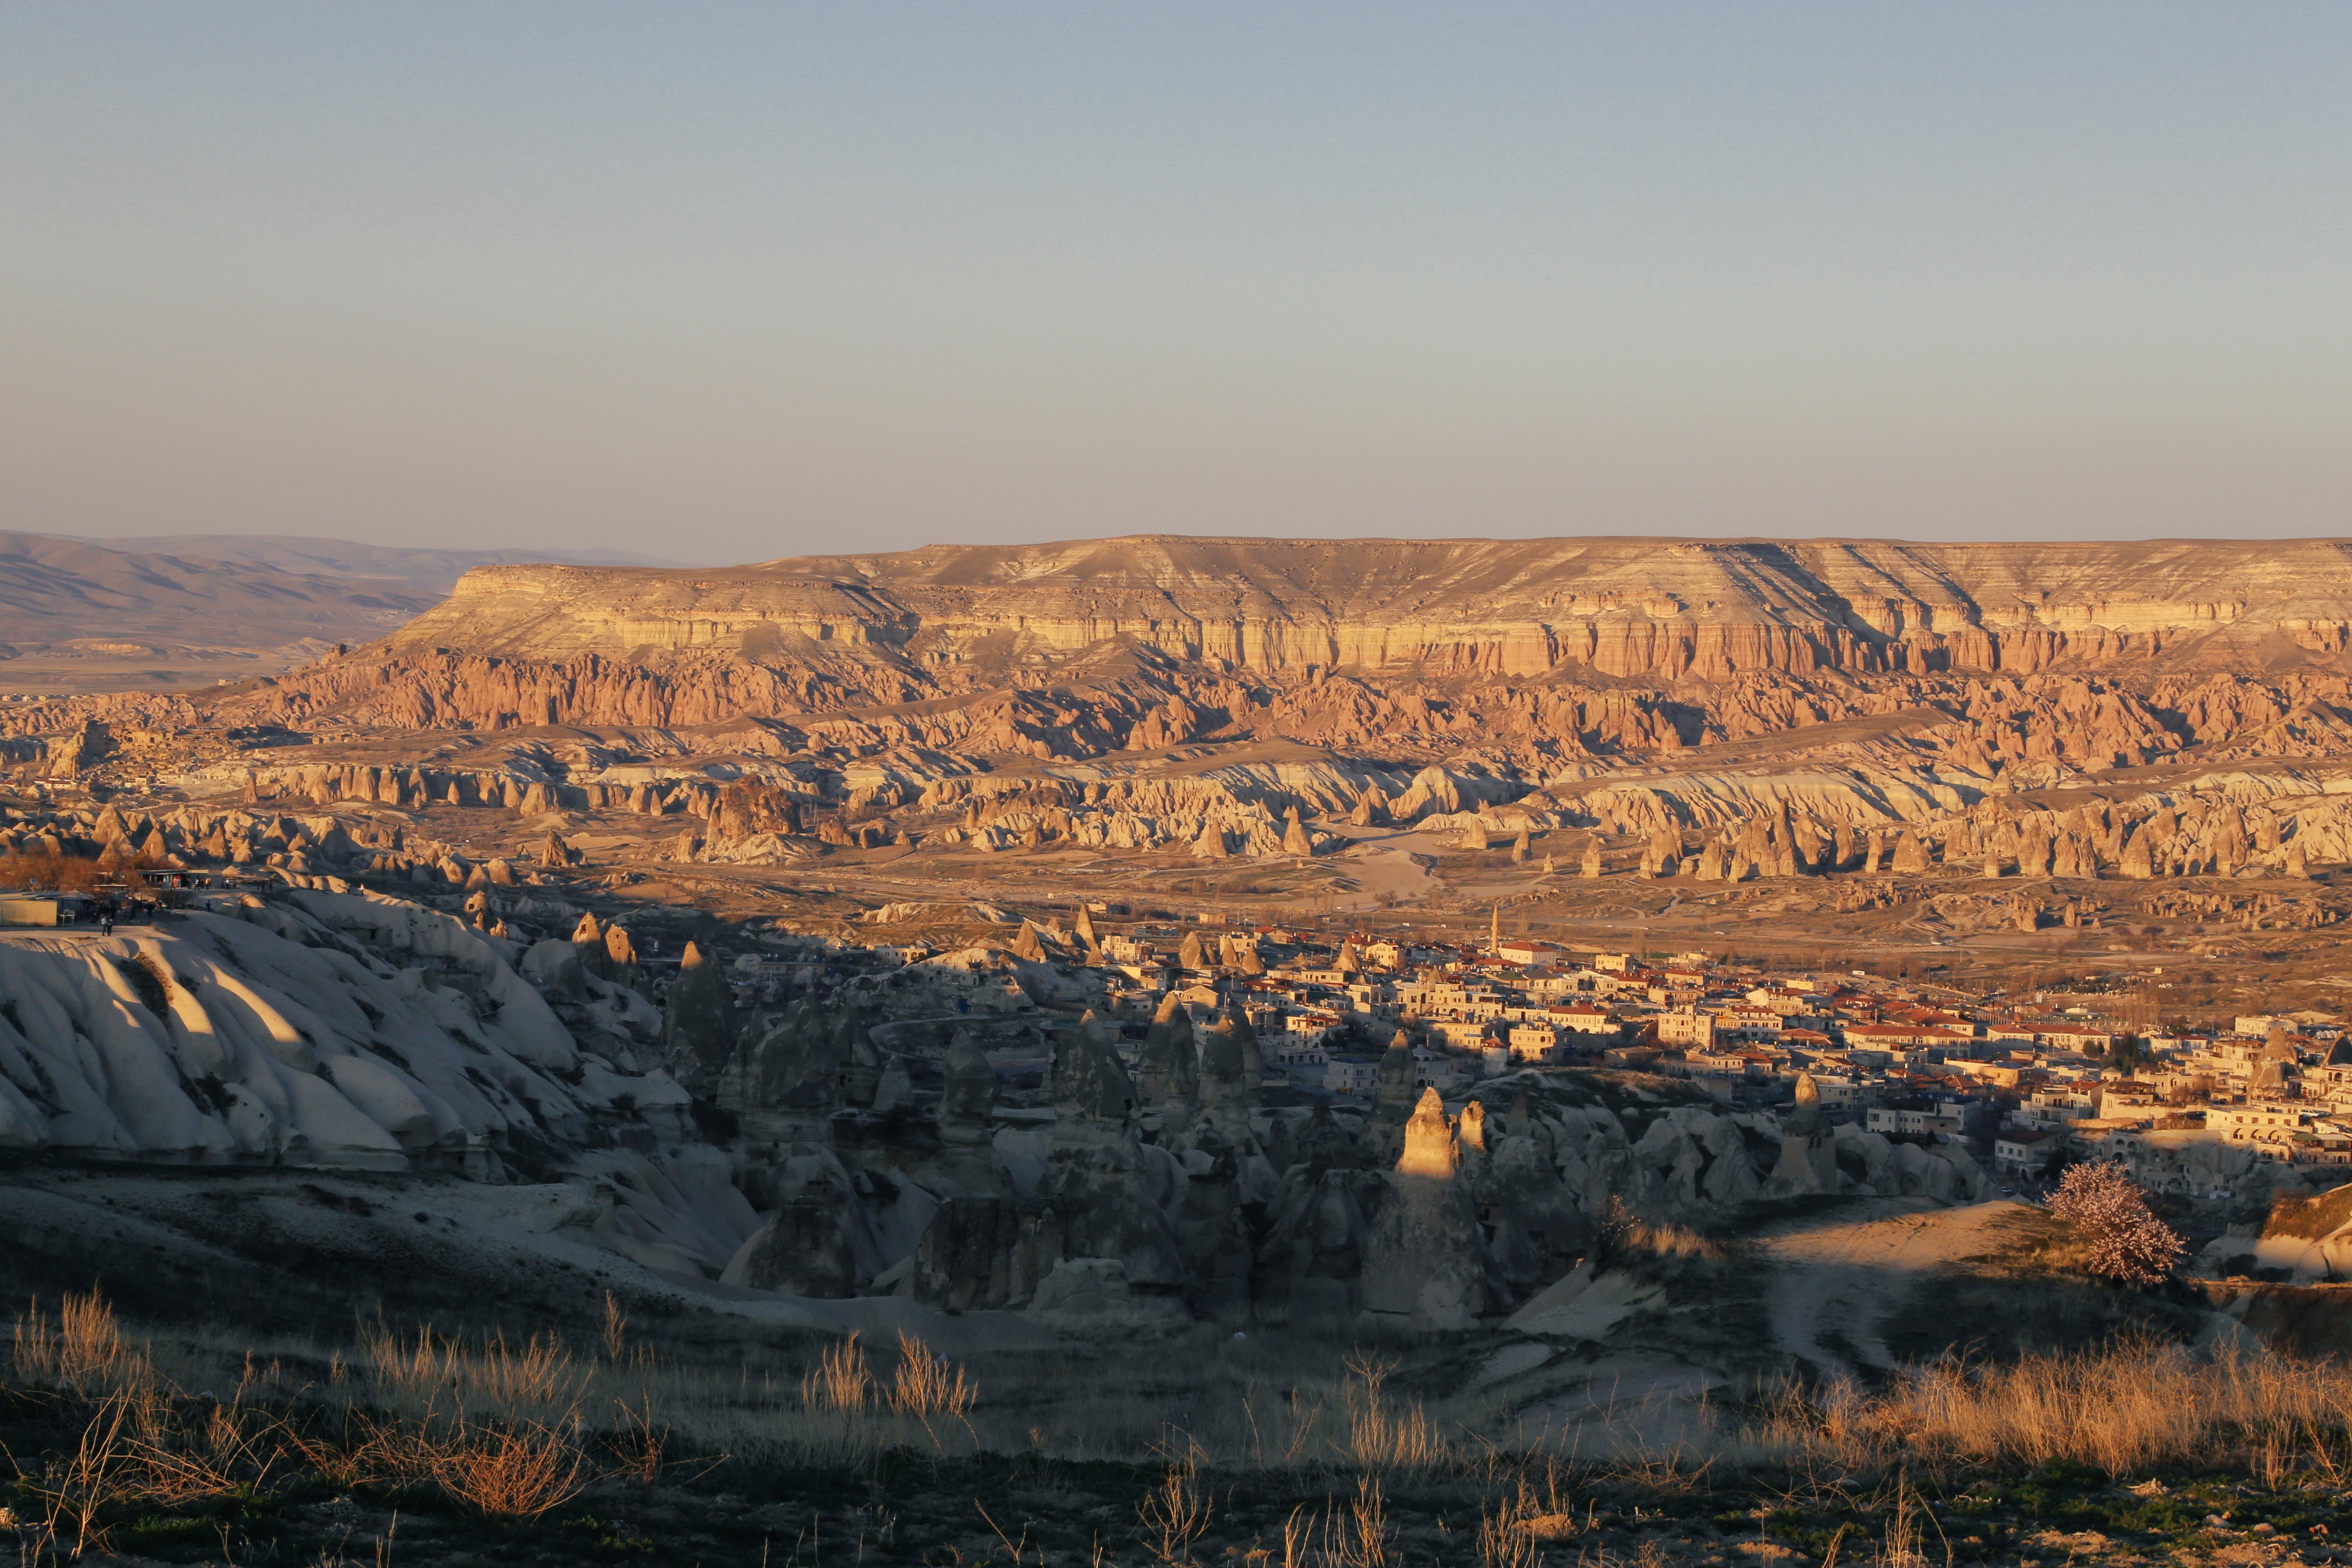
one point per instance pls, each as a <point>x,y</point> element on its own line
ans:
<point>2122,1240</point>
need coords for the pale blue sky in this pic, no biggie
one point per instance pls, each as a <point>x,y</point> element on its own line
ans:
<point>731,282</point>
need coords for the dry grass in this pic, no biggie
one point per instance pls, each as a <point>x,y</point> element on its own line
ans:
<point>842,1382</point>
<point>185,1450</point>
<point>616,1329</point>
<point>928,1384</point>
<point>2308,1218</point>
<point>514,1430</point>
<point>1382,1435</point>
<point>146,1440</point>
<point>2124,1408</point>
<point>82,1349</point>
<point>75,1488</point>
<point>1515,1522</point>
<point>540,1376</point>
<point>1351,1535</point>
<point>1635,1238</point>
<point>140,1440</point>
<point>640,1449</point>
<point>2120,1410</point>
<point>1902,1546</point>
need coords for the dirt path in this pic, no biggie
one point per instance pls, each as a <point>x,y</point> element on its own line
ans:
<point>1387,870</point>
<point>1833,1283</point>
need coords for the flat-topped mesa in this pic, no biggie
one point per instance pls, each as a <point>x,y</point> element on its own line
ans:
<point>1623,607</point>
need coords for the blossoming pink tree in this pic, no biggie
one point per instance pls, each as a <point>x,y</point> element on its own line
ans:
<point>2125,1243</point>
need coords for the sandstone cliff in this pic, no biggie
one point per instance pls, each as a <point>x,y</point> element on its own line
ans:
<point>1633,608</point>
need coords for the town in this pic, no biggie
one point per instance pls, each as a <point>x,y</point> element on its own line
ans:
<point>2207,1112</point>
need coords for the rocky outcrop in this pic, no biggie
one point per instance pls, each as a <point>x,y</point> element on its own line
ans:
<point>322,1029</point>
<point>1170,1062</point>
<point>1424,1254</point>
<point>699,1023</point>
<point>1808,1162</point>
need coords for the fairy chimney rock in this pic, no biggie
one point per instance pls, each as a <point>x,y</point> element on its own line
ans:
<point>1028,945</point>
<point>1428,1147</point>
<point>1471,1131</point>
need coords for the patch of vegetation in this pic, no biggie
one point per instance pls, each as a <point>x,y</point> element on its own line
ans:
<point>1985,1315</point>
<point>2309,1218</point>
<point>1314,1448</point>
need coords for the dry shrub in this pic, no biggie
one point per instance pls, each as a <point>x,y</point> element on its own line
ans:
<point>37,872</point>
<point>842,1381</point>
<point>517,1470</point>
<point>928,1384</point>
<point>514,1471</point>
<point>186,1453</point>
<point>1176,1513</point>
<point>639,1448</point>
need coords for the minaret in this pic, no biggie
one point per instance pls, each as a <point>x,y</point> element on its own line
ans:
<point>1495,931</point>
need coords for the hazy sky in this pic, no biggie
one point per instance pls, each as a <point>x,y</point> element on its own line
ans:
<point>723,283</point>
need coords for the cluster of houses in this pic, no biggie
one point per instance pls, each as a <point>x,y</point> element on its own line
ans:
<point>2030,1082</point>
<point>2033,1081</point>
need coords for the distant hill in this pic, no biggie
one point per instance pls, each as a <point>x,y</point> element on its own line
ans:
<point>433,571</point>
<point>79,615</point>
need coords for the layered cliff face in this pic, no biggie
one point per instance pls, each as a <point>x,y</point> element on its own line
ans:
<point>1638,609</point>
